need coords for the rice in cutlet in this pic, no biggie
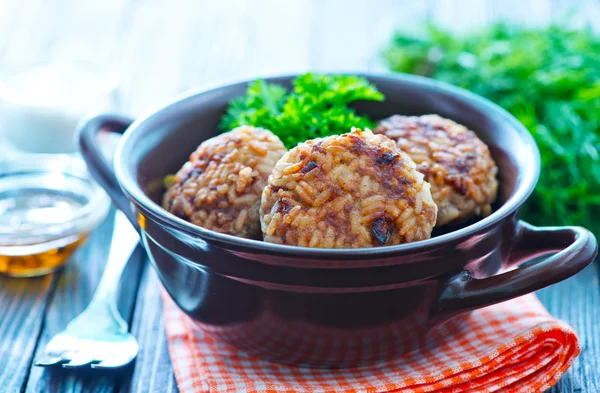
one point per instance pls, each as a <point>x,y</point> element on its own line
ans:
<point>219,188</point>
<point>456,163</point>
<point>347,191</point>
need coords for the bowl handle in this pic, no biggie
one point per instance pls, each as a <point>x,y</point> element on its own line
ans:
<point>572,249</point>
<point>97,164</point>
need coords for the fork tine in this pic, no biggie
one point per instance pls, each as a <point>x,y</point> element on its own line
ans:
<point>99,334</point>
<point>109,363</point>
<point>79,360</point>
<point>48,361</point>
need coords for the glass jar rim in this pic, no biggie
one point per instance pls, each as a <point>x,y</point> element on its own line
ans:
<point>71,172</point>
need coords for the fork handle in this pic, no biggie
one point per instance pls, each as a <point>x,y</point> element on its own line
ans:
<point>104,303</point>
<point>124,241</point>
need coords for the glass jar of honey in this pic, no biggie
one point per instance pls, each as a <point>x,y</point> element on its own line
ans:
<point>48,206</point>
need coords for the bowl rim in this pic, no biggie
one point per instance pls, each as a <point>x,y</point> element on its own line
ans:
<point>136,194</point>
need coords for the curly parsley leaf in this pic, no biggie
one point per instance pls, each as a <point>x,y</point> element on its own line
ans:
<point>317,106</point>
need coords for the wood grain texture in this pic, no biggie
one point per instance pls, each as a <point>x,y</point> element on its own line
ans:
<point>152,369</point>
<point>23,303</point>
<point>577,301</point>
<point>165,48</point>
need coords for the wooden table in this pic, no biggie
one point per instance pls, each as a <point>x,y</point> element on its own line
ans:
<point>169,47</point>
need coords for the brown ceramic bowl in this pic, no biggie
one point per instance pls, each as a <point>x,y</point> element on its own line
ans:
<point>328,307</point>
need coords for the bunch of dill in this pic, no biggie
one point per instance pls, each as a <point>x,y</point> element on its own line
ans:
<point>549,78</point>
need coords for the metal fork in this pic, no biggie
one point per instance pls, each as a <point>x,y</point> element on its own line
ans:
<point>99,336</point>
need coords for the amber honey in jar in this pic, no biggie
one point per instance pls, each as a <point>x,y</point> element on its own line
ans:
<point>48,206</point>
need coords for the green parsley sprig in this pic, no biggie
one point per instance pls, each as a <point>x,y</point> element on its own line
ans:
<point>317,106</point>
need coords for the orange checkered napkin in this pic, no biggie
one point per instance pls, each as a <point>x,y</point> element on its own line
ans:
<point>514,346</point>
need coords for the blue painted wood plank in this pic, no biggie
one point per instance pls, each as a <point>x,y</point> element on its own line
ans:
<point>23,302</point>
<point>152,369</point>
<point>577,301</point>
